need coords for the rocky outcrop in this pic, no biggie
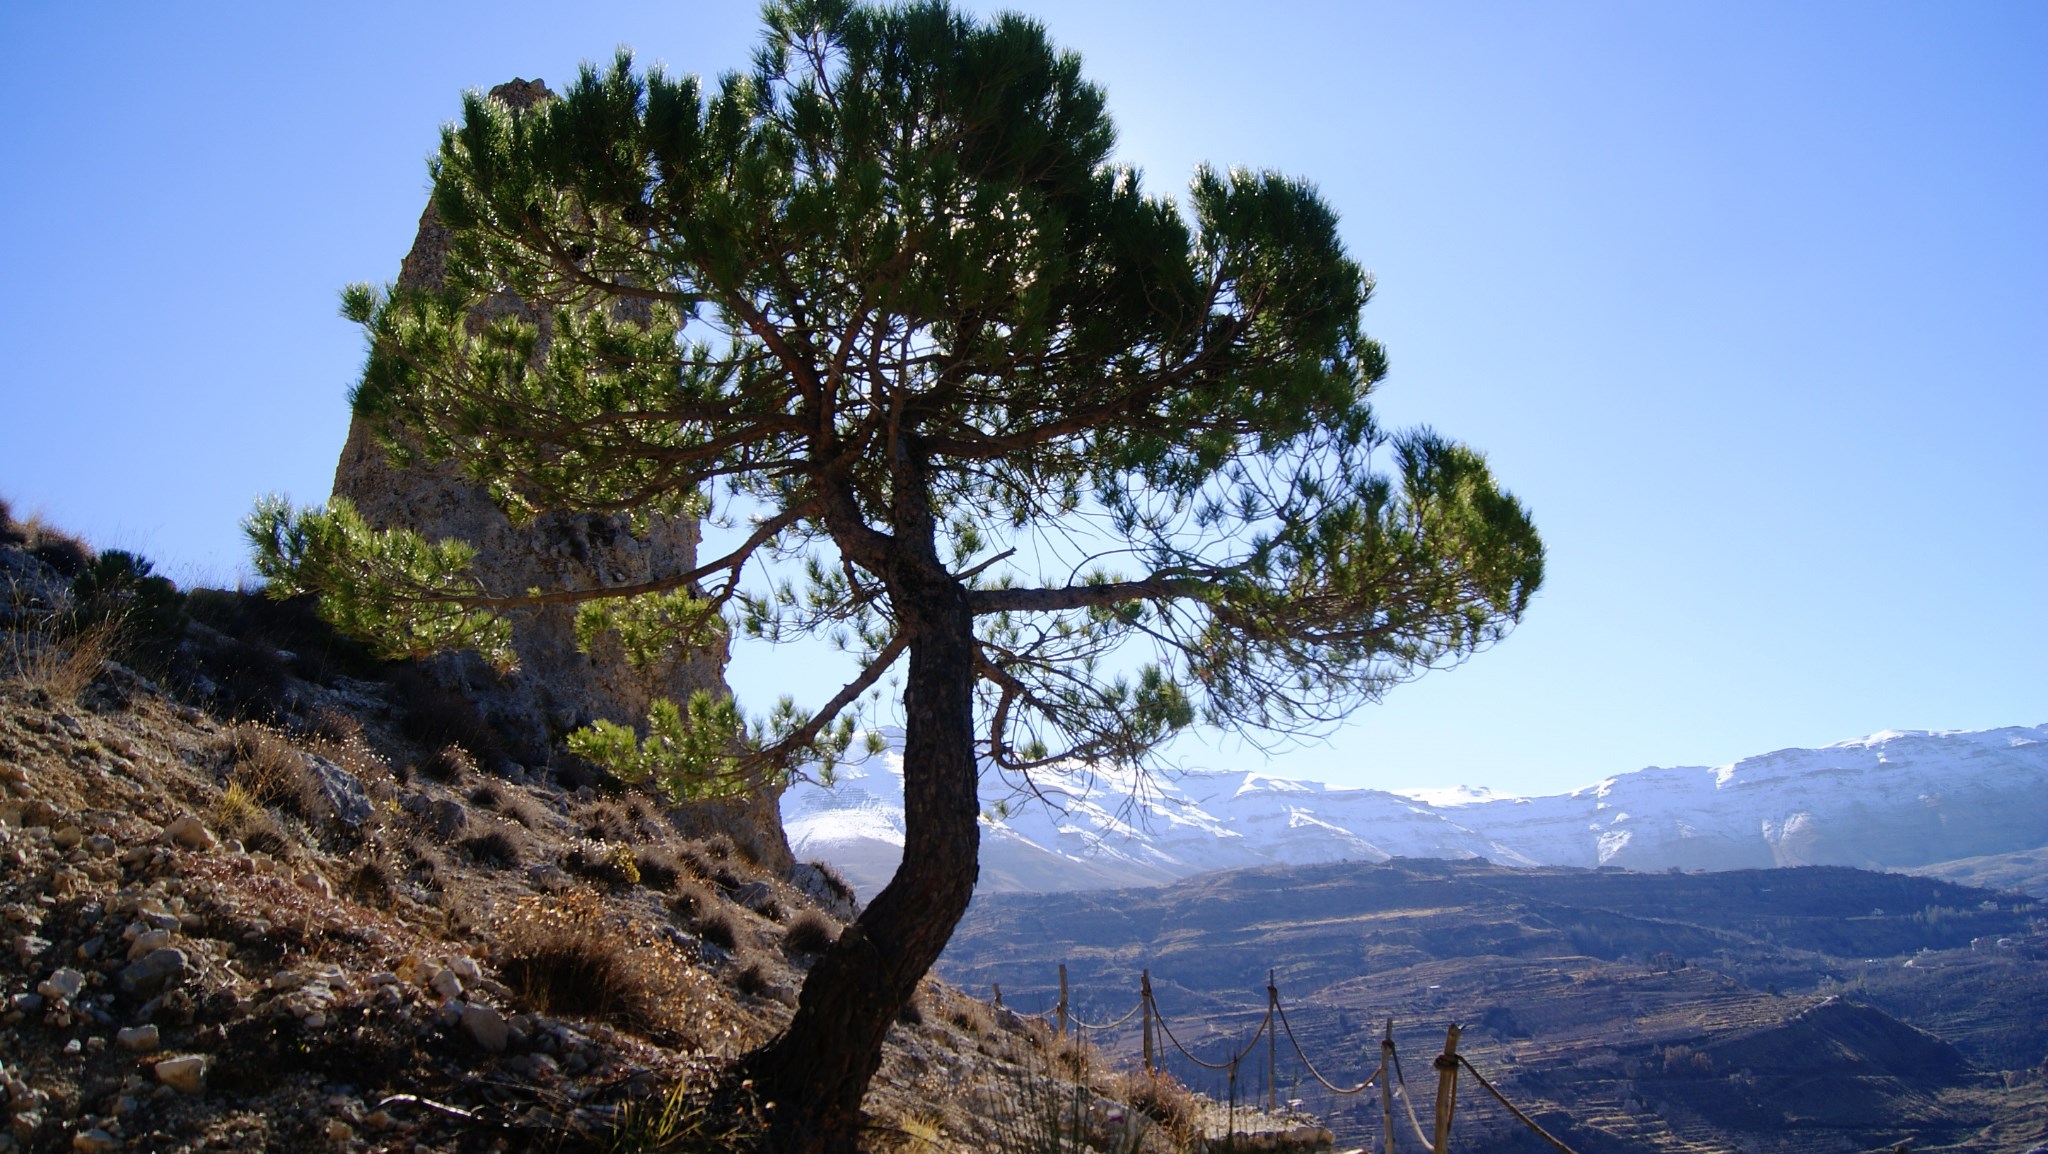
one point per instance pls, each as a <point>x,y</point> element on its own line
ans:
<point>556,687</point>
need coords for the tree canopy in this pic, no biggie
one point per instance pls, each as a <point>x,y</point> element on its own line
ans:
<point>1087,463</point>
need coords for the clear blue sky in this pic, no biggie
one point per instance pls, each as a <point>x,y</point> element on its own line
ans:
<point>1749,302</point>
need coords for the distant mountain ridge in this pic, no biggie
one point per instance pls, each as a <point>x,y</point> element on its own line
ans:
<point>1899,799</point>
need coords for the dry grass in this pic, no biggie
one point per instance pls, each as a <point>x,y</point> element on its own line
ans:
<point>608,864</point>
<point>271,770</point>
<point>717,928</point>
<point>449,764</point>
<point>1176,1109</point>
<point>497,848</point>
<point>239,815</point>
<point>809,933</point>
<point>567,955</point>
<point>39,653</point>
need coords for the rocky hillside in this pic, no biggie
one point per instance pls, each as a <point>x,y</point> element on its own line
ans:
<point>272,895</point>
<point>1896,800</point>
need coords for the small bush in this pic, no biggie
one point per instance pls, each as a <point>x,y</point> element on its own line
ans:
<point>691,902</point>
<point>11,531</point>
<point>495,848</point>
<point>566,955</point>
<point>292,624</point>
<point>44,655</point>
<point>449,764</point>
<point>610,864</point>
<point>251,679</point>
<point>273,772</point>
<point>372,883</point>
<point>970,1017</point>
<point>66,554</point>
<point>834,880</point>
<point>123,587</point>
<point>700,1122</point>
<point>1160,1097</point>
<point>752,979</point>
<point>659,869</point>
<point>608,821</point>
<point>486,796</point>
<point>238,815</point>
<point>336,726</point>
<point>717,928</point>
<point>810,933</point>
<point>912,1013</point>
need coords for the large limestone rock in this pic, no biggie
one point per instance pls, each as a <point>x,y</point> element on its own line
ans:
<point>556,687</point>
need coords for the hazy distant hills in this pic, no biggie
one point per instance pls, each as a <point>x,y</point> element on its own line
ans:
<point>1894,800</point>
<point>1782,1011</point>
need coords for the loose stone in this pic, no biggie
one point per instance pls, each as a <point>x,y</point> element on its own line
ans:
<point>187,1075</point>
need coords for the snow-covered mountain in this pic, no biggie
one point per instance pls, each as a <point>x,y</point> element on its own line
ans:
<point>1894,800</point>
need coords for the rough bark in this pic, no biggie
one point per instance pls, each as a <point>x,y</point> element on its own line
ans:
<point>816,1073</point>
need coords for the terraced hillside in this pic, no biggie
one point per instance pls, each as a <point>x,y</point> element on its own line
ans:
<point>1783,1011</point>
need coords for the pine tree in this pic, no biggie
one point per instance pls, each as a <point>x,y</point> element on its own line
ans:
<point>1084,463</point>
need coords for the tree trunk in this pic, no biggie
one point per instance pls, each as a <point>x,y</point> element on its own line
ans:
<point>816,1073</point>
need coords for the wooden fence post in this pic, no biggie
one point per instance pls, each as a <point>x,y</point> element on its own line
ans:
<point>1446,1088</point>
<point>1272,1028</point>
<point>1063,1001</point>
<point>1145,1011</point>
<point>1387,1085</point>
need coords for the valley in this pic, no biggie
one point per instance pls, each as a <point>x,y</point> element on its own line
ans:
<point>1789,1010</point>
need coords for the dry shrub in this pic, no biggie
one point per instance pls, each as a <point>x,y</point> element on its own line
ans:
<point>271,769</point>
<point>522,809</point>
<point>40,653</point>
<point>834,880</point>
<point>1160,1097</point>
<point>508,802</point>
<point>659,869</point>
<point>912,1013</point>
<point>450,763</point>
<point>612,865</point>
<point>496,848</point>
<point>355,755</point>
<point>752,979</point>
<point>608,821</point>
<point>970,1017</point>
<point>810,932</point>
<point>690,1119</point>
<point>568,955</point>
<point>372,883</point>
<point>691,902</point>
<point>68,555</point>
<point>717,928</point>
<point>335,725</point>
<point>237,814</point>
<point>692,859</point>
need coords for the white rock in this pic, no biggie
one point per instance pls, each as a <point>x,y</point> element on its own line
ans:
<point>63,985</point>
<point>466,968</point>
<point>141,1039</point>
<point>486,1027</point>
<point>146,942</point>
<point>447,984</point>
<point>187,1075</point>
<point>191,833</point>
